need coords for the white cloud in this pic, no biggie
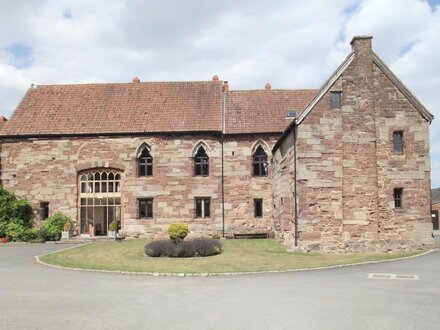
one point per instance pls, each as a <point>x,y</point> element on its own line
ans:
<point>292,44</point>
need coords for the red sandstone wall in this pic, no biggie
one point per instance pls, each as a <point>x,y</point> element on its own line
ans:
<point>47,170</point>
<point>347,169</point>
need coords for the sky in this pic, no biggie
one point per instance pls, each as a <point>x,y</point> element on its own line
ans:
<point>291,44</point>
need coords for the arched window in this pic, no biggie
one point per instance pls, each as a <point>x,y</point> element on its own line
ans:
<point>259,162</point>
<point>201,163</point>
<point>99,200</point>
<point>145,163</point>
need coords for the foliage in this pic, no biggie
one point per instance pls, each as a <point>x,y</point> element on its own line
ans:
<point>16,231</point>
<point>198,247</point>
<point>13,210</point>
<point>54,225</point>
<point>178,231</point>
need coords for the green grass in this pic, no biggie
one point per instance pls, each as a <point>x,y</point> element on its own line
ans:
<point>238,256</point>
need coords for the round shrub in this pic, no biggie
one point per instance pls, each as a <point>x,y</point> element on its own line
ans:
<point>54,225</point>
<point>178,231</point>
<point>198,247</point>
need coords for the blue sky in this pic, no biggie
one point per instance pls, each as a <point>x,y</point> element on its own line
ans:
<point>291,44</point>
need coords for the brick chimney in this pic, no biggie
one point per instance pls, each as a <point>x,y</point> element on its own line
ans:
<point>268,86</point>
<point>136,80</point>
<point>225,86</point>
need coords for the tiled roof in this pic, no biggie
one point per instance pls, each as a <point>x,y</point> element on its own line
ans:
<point>258,111</point>
<point>118,108</point>
<point>151,107</point>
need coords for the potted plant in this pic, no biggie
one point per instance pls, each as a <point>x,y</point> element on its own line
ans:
<point>65,234</point>
<point>111,229</point>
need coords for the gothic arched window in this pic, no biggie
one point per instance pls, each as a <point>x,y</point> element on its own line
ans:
<point>201,163</point>
<point>145,163</point>
<point>259,162</point>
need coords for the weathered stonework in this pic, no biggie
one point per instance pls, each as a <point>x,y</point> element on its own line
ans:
<point>48,169</point>
<point>346,168</point>
<point>331,174</point>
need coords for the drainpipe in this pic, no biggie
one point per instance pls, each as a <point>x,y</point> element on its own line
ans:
<point>223,190</point>
<point>295,194</point>
<point>223,158</point>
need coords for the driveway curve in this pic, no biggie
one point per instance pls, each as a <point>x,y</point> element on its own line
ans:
<point>393,295</point>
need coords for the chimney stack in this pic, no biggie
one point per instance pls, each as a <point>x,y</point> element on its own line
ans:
<point>136,80</point>
<point>215,77</point>
<point>225,86</point>
<point>268,86</point>
<point>361,44</point>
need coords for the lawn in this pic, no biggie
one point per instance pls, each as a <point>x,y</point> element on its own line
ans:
<point>238,256</point>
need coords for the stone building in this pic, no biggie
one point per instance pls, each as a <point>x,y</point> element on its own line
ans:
<point>352,172</point>
<point>316,168</point>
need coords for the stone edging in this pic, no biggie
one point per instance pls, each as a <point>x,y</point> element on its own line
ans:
<point>156,274</point>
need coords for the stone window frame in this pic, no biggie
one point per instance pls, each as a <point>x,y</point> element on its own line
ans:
<point>88,180</point>
<point>258,208</point>
<point>148,213</point>
<point>201,161</point>
<point>398,198</point>
<point>144,160</point>
<point>260,164</point>
<point>398,141</point>
<point>202,207</point>
<point>335,100</point>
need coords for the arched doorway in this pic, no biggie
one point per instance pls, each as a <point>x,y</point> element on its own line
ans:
<point>99,200</point>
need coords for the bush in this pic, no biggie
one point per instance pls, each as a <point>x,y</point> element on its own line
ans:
<point>54,225</point>
<point>13,210</point>
<point>15,230</point>
<point>178,231</point>
<point>198,247</point>
<point>21,209</point>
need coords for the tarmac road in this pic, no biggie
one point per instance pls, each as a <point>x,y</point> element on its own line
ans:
<point>34,296</point>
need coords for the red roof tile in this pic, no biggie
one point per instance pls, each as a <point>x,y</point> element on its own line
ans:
<point>259,111</point>
<point>151,107</point>
<point>118,108</point>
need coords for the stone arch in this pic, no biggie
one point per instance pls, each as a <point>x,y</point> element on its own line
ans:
<point>141,147</point>
<point>260,143</point>
<point>201,144</point>
<point>99,165</point>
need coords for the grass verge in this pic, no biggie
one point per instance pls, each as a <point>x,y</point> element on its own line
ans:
<point>238,256</point>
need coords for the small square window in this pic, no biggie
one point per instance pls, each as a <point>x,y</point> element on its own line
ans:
<point>398,201</point>
<point>335,100</point>
<point>145,208</point>
<point>203,207</point>
<point>398,141</point>
<point>258,208</point>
